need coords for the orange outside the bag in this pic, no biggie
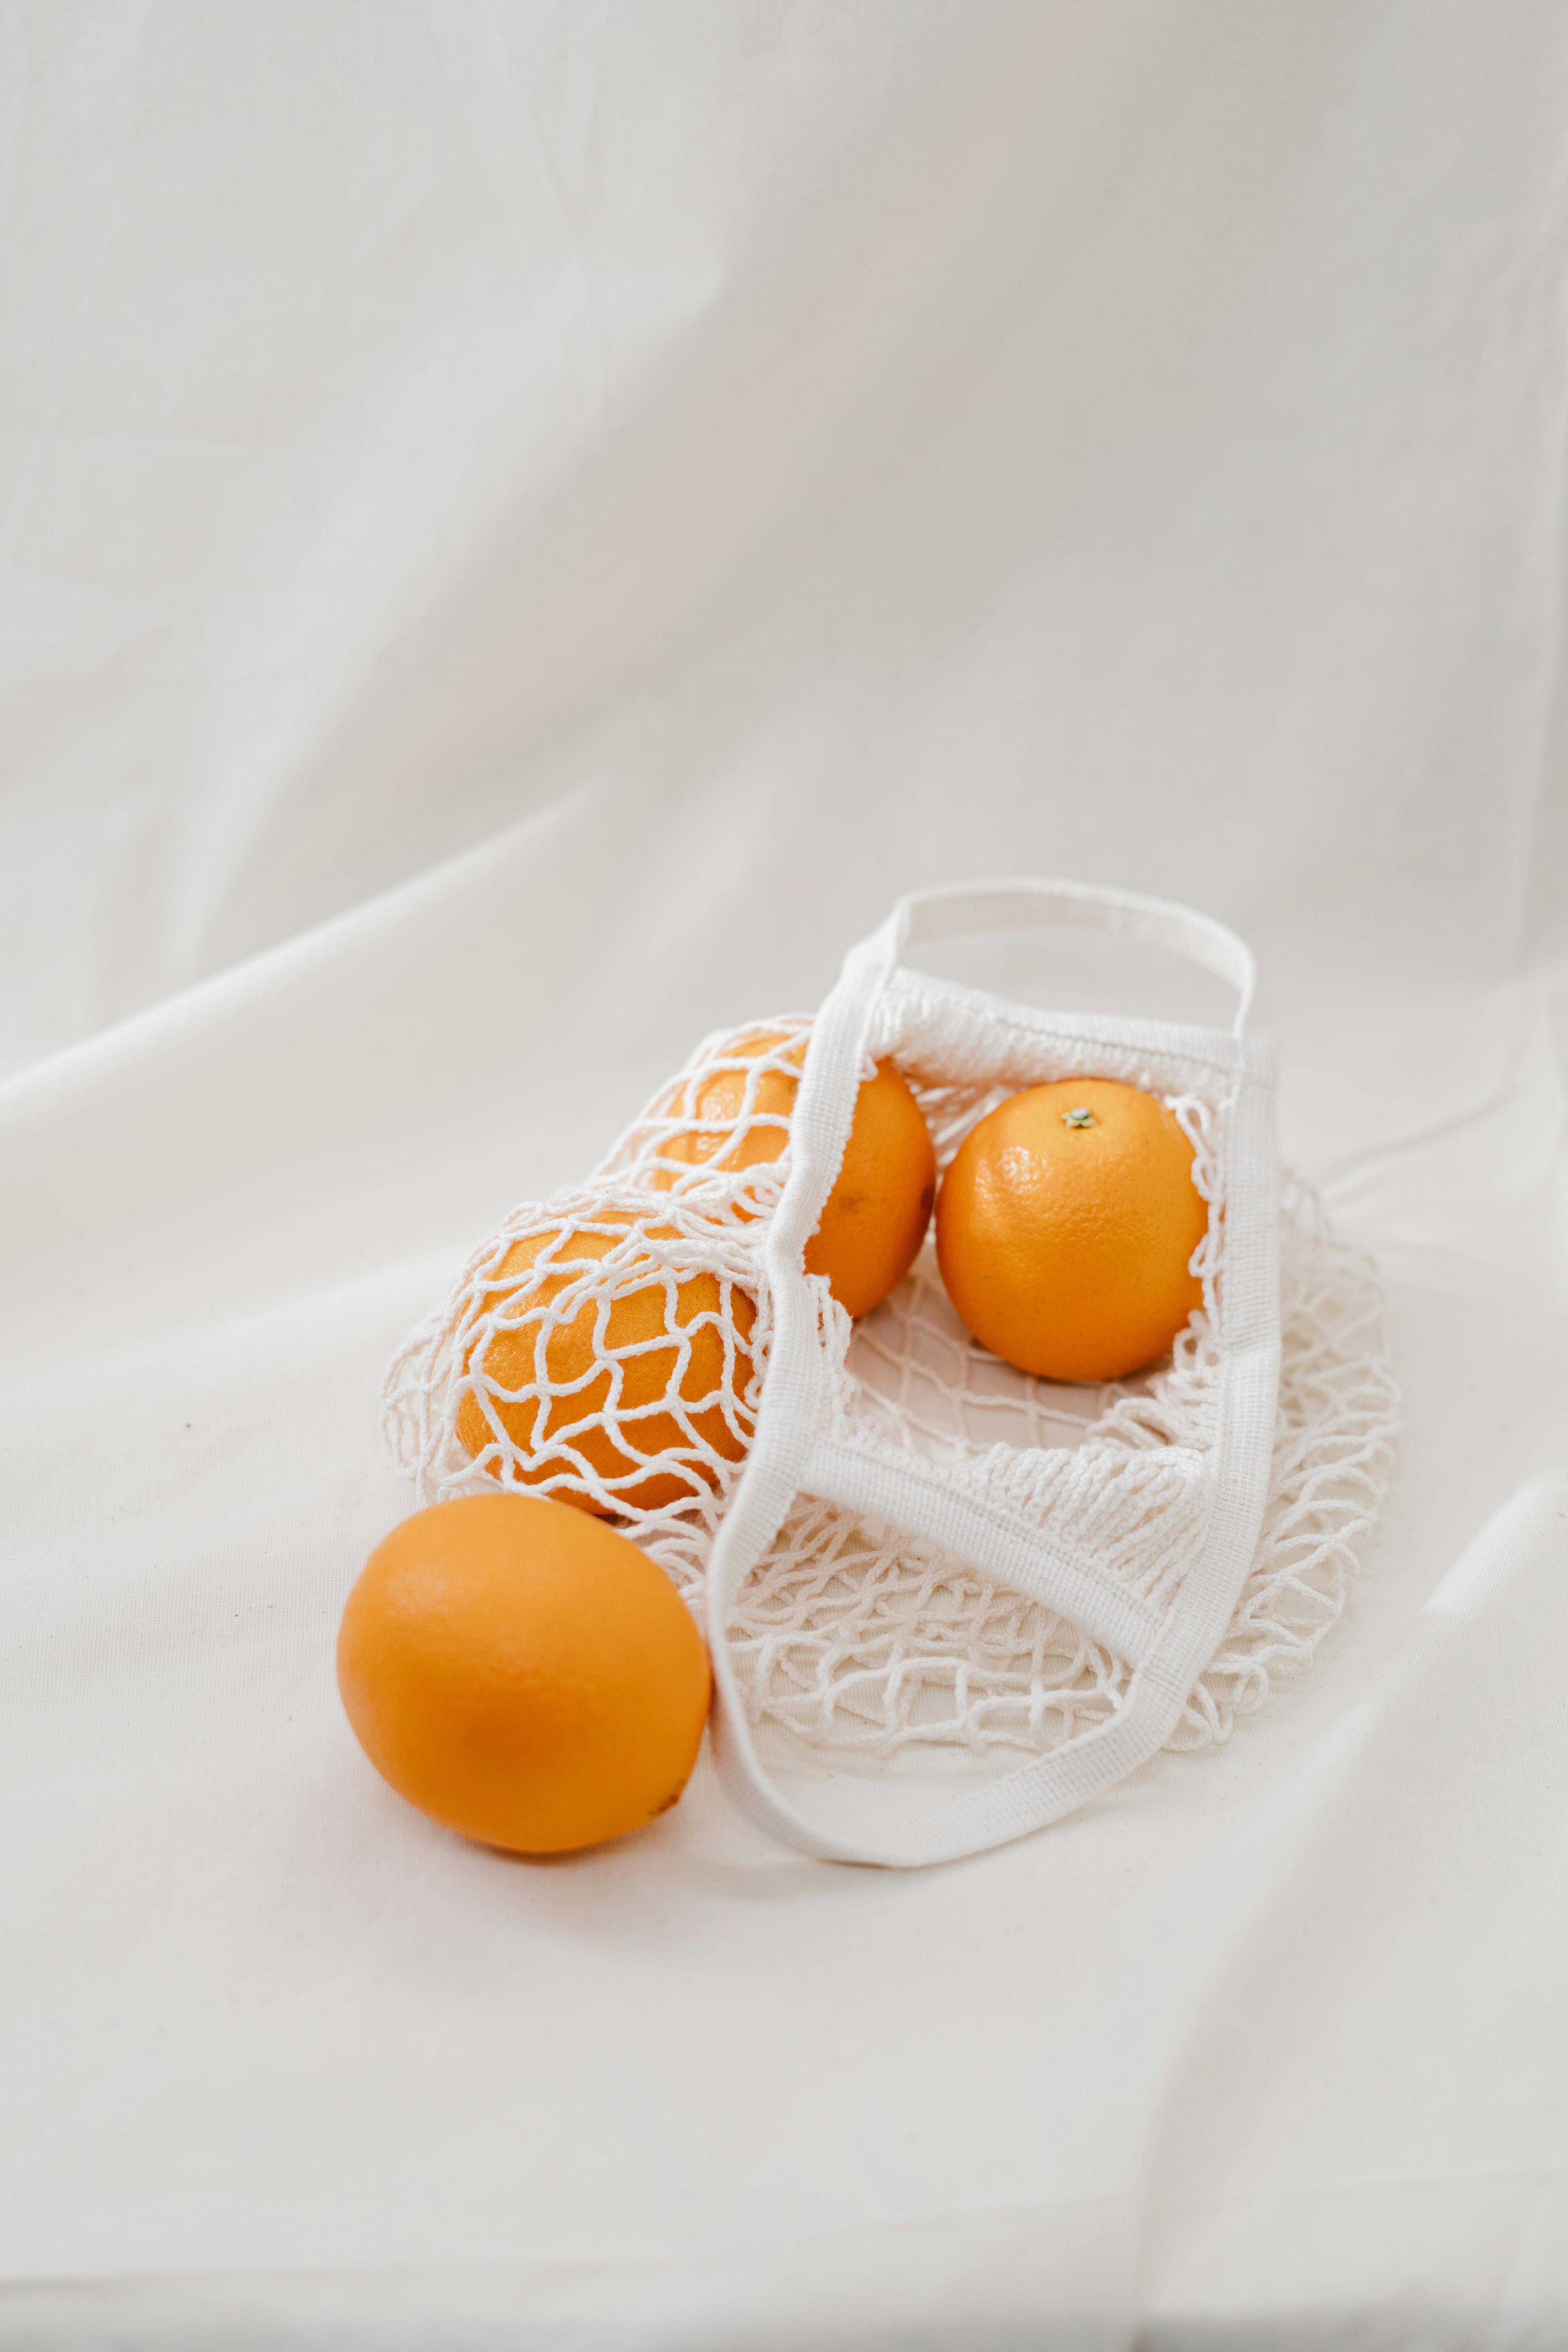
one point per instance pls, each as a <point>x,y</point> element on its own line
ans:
<point>522,1675</point>
<point>872,1229</point>
<point>710,1384</point>
<point>1065,1228</point>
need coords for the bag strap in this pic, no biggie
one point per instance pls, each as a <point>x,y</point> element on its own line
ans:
<point>978,907</point>
<point>793,1393</point>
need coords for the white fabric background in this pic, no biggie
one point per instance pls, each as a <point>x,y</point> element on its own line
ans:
<point>524,527</point>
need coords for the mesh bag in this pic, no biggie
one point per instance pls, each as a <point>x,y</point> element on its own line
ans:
<point>608,1346</point>
<point>907,1550</point>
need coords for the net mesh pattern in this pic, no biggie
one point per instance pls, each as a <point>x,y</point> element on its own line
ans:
<point>599,1348</point>
<point>652,1269</point>
<point>850,1634</point>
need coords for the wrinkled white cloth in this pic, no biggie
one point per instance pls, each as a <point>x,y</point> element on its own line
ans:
<point>525,529</point>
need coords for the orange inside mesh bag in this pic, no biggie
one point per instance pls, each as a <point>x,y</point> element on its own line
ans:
<point>600,1350</point>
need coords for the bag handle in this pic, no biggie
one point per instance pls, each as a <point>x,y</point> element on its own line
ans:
<point>978,907</point>
<point>794,1393</point>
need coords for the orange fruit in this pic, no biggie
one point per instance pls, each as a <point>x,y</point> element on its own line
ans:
<point>1064,1226</point>
<point>718,1101</point>
<point>666,1403</point>
<point>522,1675</point>
<point>872,1229</point>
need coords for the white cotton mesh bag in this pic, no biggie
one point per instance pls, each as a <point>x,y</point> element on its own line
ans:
<point>905,1551</point>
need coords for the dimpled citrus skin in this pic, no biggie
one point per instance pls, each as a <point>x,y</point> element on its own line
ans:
<point>522,1674</point>
<point>1065,1244</point>
<point>571,1354</point>
<point>870,1231</point>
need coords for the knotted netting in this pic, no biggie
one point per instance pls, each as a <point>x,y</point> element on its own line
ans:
<point>608,1347</point>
